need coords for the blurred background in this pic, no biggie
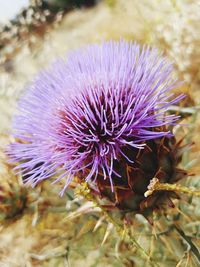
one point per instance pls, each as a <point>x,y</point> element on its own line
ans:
<point>37,227</point>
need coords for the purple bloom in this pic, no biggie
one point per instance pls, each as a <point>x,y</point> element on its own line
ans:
<point>78,116</point>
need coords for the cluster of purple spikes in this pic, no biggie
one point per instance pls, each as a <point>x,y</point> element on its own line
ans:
<point>78,116</point>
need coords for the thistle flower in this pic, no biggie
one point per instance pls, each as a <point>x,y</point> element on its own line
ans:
<point>100,116</point>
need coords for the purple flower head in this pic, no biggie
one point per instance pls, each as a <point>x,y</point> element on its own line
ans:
<point>80,115</point>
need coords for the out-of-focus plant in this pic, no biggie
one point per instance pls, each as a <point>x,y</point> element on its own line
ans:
<point>68,4</point>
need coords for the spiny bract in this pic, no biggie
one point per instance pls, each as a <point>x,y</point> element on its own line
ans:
<point>87,114</point>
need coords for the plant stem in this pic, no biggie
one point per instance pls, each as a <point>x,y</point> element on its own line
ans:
<point>155,185</point>
<point>124,233</point>
<point>188,240</point>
